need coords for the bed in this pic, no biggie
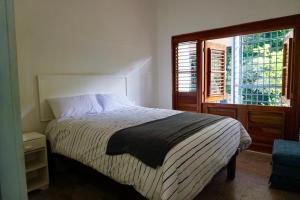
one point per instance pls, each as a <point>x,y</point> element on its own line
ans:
<point>187,167</point>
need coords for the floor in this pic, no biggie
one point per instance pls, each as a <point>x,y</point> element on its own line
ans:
<point>251,183</point>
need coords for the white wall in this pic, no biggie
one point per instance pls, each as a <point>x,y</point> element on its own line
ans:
<point>177,17</point>
<point>91,37</point>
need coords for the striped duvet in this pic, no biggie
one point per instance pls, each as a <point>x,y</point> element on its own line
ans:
<point>187,167</point>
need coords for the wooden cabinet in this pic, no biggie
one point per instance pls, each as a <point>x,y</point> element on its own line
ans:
<point>36,162</point>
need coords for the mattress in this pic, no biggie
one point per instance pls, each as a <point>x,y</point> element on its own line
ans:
<point>187,167</point>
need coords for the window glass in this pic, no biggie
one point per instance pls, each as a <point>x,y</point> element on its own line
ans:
<point>255,69</point>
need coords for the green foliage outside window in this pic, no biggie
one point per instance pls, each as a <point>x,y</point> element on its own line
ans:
<point>262,60</point>
<point>228,70</point>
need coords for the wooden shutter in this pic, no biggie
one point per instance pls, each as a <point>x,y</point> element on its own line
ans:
<point>287,66</point>
<point>185,75</point>
<point>215,62</point>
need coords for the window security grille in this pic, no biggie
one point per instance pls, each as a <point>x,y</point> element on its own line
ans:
<point>261,68</point>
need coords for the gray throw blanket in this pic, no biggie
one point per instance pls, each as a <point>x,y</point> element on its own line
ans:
<point>151,141</point>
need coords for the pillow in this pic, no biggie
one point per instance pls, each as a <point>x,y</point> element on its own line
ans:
<point>74,106</point>
<point>111,102</point>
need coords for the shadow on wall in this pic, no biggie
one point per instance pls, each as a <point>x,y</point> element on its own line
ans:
<point>140,82</point>
<point>140,87</point>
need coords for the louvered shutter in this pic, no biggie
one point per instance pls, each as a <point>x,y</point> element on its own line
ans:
<point>185,75</point>
<point>215,62</point>
<point>287,66</point>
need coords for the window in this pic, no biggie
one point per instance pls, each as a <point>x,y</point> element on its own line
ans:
<point>250,72</point>
<point>186,67</point>
<point>256,66</point>
<point>215,71</point>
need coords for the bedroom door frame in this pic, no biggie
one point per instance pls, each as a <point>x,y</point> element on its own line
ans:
<point>12,167</point>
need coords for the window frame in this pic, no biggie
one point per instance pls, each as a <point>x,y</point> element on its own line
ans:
<point>288,22</point>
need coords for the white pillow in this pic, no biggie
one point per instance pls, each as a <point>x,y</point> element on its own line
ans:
<point>111,102</point>
<point>74,106</point>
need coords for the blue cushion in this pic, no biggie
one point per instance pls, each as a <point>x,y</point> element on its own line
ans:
<point>286,153</point>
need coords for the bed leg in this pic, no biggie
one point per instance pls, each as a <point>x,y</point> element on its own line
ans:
<point>231,167</point>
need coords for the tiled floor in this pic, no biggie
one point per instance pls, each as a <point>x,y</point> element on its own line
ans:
<point>251,183</point>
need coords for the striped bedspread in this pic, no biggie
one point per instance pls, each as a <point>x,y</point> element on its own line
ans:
<point>187,167</point>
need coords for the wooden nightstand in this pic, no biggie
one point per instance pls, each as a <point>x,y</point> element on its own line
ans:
<point>36,161</point>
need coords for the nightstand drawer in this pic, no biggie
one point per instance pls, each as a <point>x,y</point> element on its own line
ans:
<point>34,144</point>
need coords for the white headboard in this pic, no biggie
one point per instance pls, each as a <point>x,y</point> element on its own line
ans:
<point>52,86</point>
